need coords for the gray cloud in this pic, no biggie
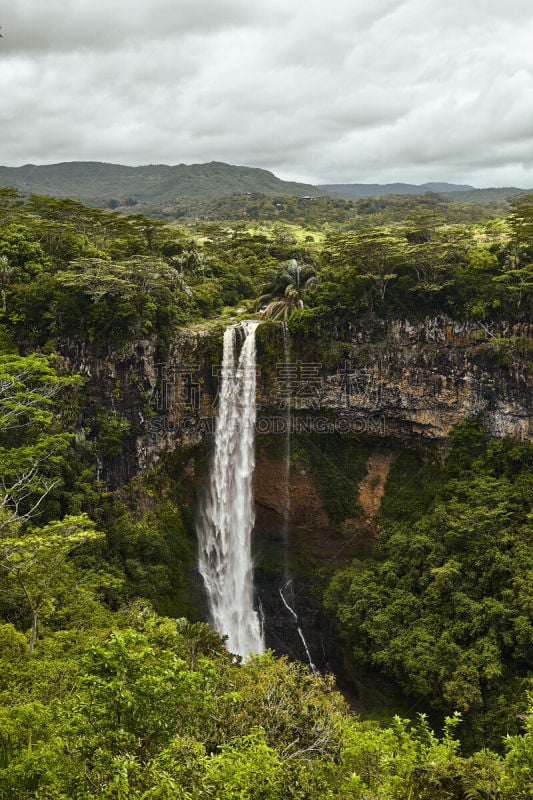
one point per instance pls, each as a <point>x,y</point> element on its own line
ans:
<point>351,90</point>
<point>65,25</point>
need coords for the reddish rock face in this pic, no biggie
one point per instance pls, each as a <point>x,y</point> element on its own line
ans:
<point>299,499</point>
<point>372,487</point>
<point>289,506</point>
<point>298,547</point>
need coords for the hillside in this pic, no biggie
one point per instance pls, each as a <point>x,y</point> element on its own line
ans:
<point>99,183</point>
<point>462,193</point>
<point>356,190</point>
<point>485,196</point>
<point>333,209</point>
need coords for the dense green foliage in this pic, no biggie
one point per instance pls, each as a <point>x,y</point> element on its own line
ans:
<point>48,473</point>
<point>442,608</point>
<point>424,267</point>
<point>67,270</point>
<point>145,707</point>
<point>347,213</point>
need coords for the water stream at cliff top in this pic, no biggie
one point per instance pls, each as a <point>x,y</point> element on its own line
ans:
<point>227,516</point>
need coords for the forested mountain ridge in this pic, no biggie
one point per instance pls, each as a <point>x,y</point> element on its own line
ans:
<point>163,185</point>
<point>101,183</point>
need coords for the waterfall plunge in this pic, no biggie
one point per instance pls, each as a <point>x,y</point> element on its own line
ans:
<point>227,517</point>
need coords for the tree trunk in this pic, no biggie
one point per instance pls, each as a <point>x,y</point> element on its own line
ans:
<point>33,636</point>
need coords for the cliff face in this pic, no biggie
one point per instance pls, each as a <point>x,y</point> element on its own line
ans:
<point>400,379</point>
<point>389,379</point>
<point>391,383</point>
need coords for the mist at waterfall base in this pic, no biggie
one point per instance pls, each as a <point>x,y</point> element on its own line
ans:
<point>226,517</point>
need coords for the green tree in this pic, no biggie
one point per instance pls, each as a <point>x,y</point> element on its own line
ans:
<point>35,564</point>
<point>101,278</point>
<point>517,780</point>
<point>284,295</point>
<point>441,607</point>
<point>31,446</point>
<point>517,273</point>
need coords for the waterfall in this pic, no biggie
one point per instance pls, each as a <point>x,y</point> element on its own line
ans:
<point>294,615</point>
<point>226,519</point>
<point>286,498</point>
<point>286,489</point>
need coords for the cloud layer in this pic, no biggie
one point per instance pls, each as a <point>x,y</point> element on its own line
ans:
<point>349,90</point>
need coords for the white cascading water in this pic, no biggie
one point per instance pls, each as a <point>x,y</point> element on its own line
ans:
<point>285,489</point>
<point>227,516</point>
<point>286,497</point>
<point>294,615</point>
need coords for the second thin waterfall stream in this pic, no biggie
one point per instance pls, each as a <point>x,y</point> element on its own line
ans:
<point>227,515</point>
<point>286,591</point>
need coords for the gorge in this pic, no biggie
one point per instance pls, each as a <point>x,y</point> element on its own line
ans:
<point>362,393</point>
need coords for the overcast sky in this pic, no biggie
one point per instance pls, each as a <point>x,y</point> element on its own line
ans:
<point>329,91</point>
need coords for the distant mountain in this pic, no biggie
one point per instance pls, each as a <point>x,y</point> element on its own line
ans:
<point>351,190</point>
<point>156,184</point>
<point>492,195</point>
<point>160,186</point>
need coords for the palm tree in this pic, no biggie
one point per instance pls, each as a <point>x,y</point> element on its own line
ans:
<point>284,294</point>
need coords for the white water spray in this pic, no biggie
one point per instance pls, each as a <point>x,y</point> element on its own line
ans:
<point>227,517</point>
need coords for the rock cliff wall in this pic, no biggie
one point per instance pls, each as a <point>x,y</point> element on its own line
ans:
<point>385,379</point>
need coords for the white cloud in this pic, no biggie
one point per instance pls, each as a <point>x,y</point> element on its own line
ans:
<point>350,90</point>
